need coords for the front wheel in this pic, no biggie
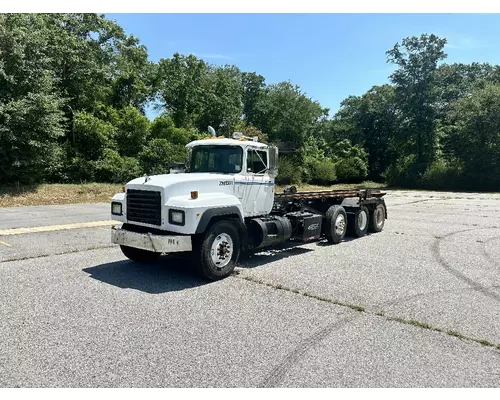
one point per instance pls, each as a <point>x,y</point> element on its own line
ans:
<point>218,251</point>
<point>335,224</point>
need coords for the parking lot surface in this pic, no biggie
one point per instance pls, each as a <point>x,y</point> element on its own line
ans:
<point>417,305</point>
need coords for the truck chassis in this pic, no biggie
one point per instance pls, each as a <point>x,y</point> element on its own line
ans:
<point>297,216</point>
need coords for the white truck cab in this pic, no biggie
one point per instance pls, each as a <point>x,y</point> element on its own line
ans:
<point>222,174</point>
<point>222,201</point>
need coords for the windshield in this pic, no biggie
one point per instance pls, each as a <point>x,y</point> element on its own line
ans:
<point>223,159</point>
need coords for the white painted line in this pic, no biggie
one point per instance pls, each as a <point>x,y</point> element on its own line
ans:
<point>36,229</point>
<point>5,244</point>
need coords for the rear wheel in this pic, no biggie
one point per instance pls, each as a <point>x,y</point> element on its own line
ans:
<point>217,252</point>
<point>358,222</point>
<point>377,219</point>
<point>335,224</point>
<point>139,254</point>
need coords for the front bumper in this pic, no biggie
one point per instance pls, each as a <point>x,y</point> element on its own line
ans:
<point>151,242</point>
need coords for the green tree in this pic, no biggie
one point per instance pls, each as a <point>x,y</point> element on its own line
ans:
<point>286,114</point>
<point>252,88</point>
<point>416,95</point>
<point>163,127</point>
<point>132,84</point>
<point>222,100</point>
<point>96,62</point>
<point>60,77</point>
<point>371,121</point>
<point>31,121</point>
<point>475,136</point>
<point>179,83</point>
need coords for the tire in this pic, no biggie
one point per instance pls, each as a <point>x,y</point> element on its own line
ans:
<point>335,224</point>
<point>377,219</point>
<point>223,236</point>
<point>358,222</point>
<point>139,254</point>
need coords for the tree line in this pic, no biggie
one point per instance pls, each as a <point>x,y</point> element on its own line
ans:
<point>74,89</point>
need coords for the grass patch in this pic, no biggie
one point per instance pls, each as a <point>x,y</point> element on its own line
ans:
<point>418,324</point>
<point>305,294</point>
<point>51,194</point>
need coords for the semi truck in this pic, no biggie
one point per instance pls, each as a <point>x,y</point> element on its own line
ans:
<point>223,202</point>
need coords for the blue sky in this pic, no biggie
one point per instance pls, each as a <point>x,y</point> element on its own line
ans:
<point>330,56</point>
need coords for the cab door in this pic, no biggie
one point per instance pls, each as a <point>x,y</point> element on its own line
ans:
<point>258,188</point>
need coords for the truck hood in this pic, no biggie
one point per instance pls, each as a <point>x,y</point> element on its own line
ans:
<point>182,184</point>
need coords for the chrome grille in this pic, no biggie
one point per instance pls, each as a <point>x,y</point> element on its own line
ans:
<point>144,206</point>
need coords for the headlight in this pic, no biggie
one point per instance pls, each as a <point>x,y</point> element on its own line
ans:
<point>176,217</point>
<point>116,208</point>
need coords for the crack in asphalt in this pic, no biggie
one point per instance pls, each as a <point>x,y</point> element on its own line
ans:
<point>279,372</point>
<point>56,254</point>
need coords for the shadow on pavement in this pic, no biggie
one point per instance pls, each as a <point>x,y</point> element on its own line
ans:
<point>262,257</point>
<point>259,258</point>
<point>167,274</point>
<point>173,273</point>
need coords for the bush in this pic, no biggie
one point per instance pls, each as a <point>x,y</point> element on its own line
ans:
<point>158,153</point>
<point>92,135</point>
<point>81,170</point>
<point>325,172</point>
<point>161,125</point>
<point>403,173</point>
<point>116,169</point>
<point>131,169</point>
<point>289,171</point>
<point>321,172</point>
<point>443,176</point>
<point>351,170</point>
<point>55,168</point>
<point>131,131</point>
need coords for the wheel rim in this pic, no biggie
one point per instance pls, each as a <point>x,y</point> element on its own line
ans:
<point>362,220</point>
<point>340,225</point>
<point>379,215</point>
<point>222,250</point>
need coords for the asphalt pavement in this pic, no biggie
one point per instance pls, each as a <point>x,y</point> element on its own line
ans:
<point>417,305</point>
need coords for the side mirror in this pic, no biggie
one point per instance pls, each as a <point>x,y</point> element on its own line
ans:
<point>176,167</point>
<point>273,161</point>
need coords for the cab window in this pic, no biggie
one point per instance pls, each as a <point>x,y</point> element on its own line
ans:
<point>256,161</point>
<point>221,159</point>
